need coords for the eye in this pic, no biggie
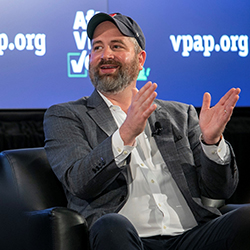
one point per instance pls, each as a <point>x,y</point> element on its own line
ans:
<point>97,47</point>
<point>117,46</point>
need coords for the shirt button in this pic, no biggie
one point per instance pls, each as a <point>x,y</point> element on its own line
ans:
<point>142,164</point>
<point>125,152</point>
<point>119,150</point>
<point>164,227</point>
<point>152,181</point>
<point>159,204</point>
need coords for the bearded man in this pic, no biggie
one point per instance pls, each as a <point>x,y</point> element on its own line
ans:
<point>141,170</point>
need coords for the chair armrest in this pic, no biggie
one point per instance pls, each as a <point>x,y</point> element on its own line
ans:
<point>57,228</point>
<point>230,207</point>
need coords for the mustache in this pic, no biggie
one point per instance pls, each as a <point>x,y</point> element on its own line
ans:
<point>110,61</point>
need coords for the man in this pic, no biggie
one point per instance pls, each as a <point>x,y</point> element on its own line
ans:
<point>144,172</point>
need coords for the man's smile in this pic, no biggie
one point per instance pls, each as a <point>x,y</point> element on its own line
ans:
<point>108,68</point>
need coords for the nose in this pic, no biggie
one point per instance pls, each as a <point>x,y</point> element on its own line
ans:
<point>107,53</point>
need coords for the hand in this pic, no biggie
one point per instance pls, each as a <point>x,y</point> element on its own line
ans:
<point>214,120</point>
<point>139,111</point>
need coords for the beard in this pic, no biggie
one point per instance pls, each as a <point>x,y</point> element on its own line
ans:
<point>118,81</point>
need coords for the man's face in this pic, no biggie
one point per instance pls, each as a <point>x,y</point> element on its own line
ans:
<point>113,63</point>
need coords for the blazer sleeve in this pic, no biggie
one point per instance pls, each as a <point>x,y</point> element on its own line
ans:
<point>80,153</point>
<point>216,181</point>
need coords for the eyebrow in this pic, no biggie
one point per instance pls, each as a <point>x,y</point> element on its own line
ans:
<point>98,41</point>
<point>112,41</point>
<point>118,41</point>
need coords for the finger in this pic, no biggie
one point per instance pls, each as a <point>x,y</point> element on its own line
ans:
<point>226,96</point>
<point>149,111</point>
<point>145,109</point>
<point>148,89</point>
<point>233,98</point>
<point>142,102</point>
<point>145,93</point>
<point>134,92</point>
<point>148,102</point>
<point>150,92</point>
<point>149,107</point>
<point>230,103</point>
<point>143,90</point>
<point>230,95</point>
<point>149,96</point>
<point>206,101</point>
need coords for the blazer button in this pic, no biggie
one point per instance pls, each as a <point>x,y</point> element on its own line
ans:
<point>103,161</point>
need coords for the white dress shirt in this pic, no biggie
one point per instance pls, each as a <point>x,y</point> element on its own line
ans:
<point>155,205</point>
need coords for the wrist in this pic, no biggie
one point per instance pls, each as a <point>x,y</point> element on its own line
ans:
<point>127,139</point>
<point>215,142</point>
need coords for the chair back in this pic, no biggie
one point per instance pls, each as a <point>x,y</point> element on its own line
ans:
<point>28,172</point>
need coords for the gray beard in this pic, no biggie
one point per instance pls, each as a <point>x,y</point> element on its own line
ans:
<point>117,82</point>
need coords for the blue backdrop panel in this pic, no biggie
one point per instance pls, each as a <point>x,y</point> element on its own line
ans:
<point>192,46</point>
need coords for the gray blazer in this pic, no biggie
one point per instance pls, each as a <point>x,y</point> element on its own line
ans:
<point>78,146</point>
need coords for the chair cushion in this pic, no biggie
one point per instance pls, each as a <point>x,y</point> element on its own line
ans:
<point>29,173</point>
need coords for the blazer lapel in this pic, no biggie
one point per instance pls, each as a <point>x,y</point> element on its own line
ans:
<point>166,142</point>
<point>101,114</point>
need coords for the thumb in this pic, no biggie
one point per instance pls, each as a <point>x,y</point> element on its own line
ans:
<point>206,101</point>
<point>134,92</point>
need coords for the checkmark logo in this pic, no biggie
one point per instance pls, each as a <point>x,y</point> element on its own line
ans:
<point>75,64</point>
<point>143,74</point>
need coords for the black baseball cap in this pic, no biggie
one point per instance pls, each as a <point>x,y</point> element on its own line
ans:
<point>126,25</point>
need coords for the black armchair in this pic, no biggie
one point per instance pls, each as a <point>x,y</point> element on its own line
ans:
<point>50,225</point>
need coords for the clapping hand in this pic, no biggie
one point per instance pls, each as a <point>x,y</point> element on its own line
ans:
<point>214,120</point>
<point>139,111</point>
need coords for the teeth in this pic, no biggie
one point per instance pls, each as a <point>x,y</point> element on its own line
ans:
<point>108,67</point>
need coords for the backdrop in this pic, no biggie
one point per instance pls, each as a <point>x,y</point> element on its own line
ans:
<point>192,46</point>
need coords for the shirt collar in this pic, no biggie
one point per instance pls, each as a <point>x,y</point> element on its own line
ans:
<point>108,102</point>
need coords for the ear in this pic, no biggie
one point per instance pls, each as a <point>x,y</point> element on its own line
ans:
<point>142,59</point>
<point>90,56</point>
